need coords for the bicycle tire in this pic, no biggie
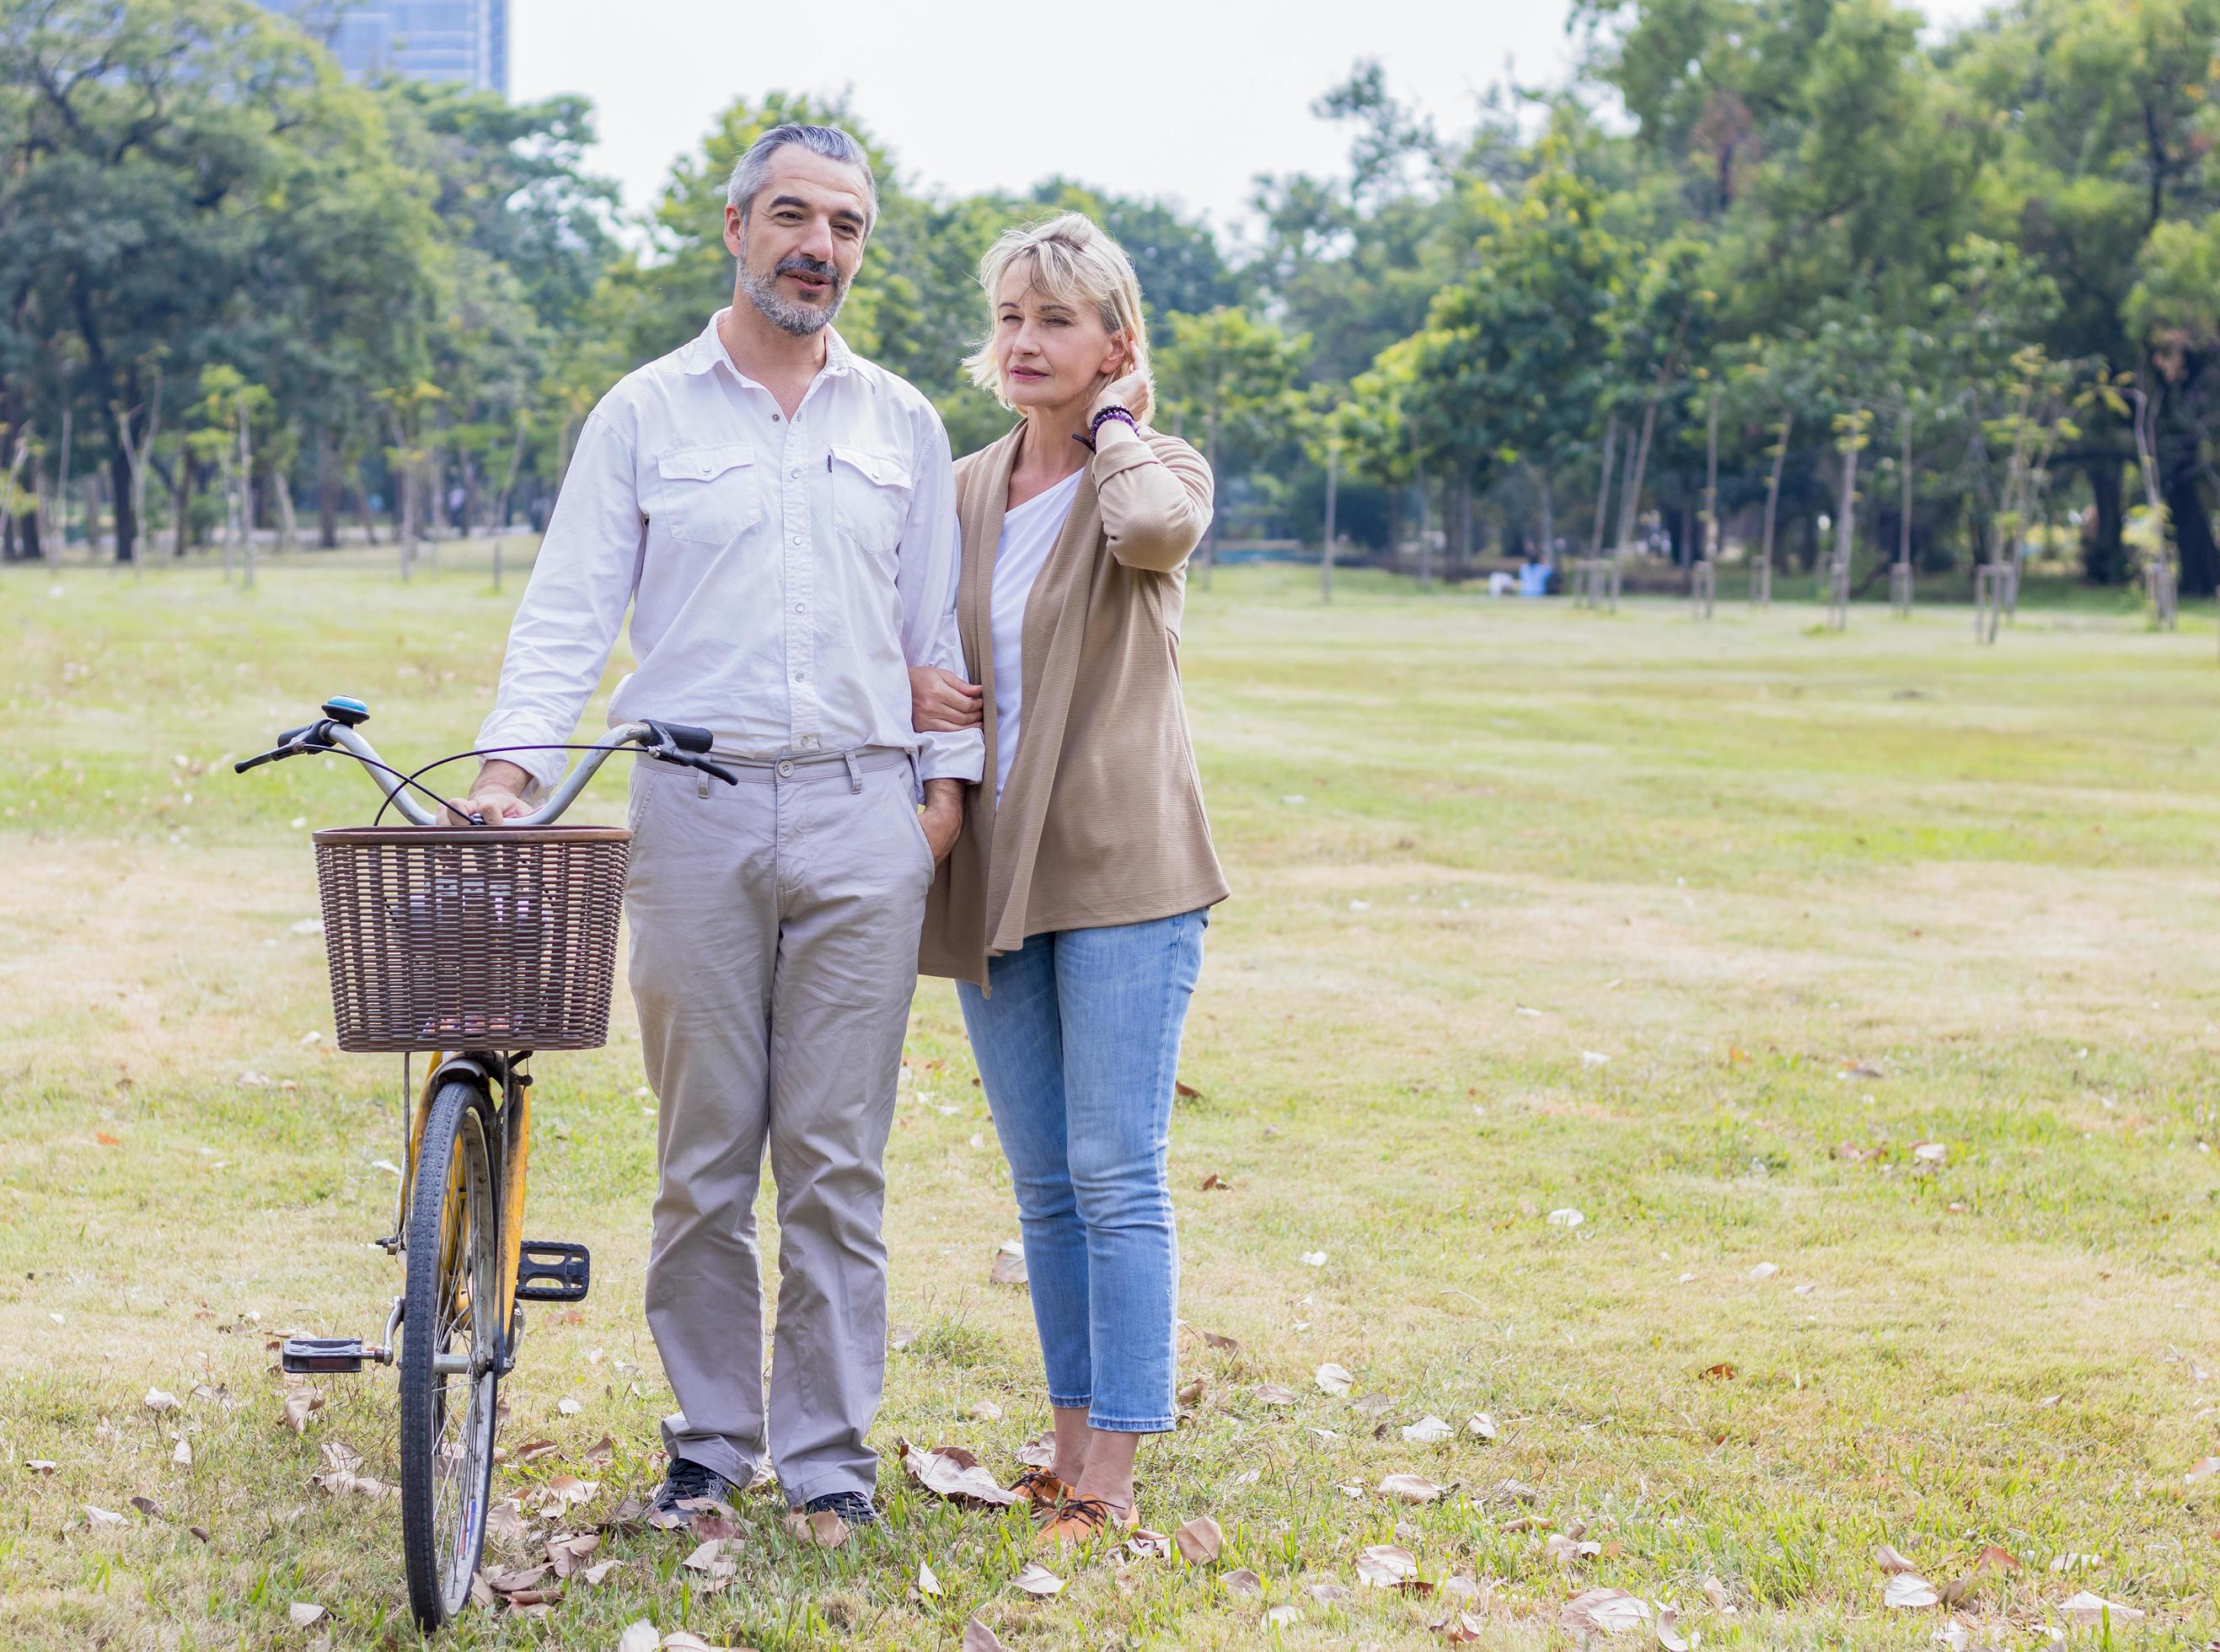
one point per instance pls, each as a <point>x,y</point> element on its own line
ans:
<point>452,1307</point>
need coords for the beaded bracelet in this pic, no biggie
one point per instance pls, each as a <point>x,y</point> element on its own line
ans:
<point>1094,425</point>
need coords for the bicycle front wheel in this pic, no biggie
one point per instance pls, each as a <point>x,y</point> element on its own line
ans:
<point>450,1344</point>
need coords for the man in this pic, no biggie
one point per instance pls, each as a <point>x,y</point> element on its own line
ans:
<point>781,516</point>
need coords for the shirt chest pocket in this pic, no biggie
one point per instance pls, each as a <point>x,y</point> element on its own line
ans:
<point>707,495</point>
<point>871,498</point>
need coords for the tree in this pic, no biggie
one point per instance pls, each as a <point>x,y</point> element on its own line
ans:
<point>1234,376</point>
<point>170,160</point>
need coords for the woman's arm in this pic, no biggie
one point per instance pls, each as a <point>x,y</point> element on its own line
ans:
<point>1155,494</point>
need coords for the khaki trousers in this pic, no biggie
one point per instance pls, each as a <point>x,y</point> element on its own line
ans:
<point>774,954</point>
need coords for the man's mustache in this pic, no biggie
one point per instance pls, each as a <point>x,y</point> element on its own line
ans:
<point>802,264</point>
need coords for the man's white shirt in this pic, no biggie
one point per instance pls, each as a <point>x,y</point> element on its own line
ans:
<point>783,575</point>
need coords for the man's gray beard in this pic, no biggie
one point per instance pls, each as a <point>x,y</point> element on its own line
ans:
<point>782,313</point>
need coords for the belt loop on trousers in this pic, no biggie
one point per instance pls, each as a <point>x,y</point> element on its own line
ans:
<point>702,786</point>
<point>855,772</point>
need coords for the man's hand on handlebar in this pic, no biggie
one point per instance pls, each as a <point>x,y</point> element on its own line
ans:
<point>497,796</point>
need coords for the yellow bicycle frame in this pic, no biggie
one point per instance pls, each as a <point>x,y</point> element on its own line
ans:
<point>516,1139</point>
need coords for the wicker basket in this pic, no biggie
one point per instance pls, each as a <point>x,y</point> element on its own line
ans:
<point>483,939</point>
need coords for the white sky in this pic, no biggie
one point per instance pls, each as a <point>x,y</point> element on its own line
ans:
<point>1188,102</point>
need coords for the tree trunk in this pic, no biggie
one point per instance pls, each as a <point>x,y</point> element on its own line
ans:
<point>126,524</point>
<point>1325,561</point>
<point>1603,485</point>
<point>1548,517</point>
<point>362,509</point>
<point>181,505</point>
<point>30,544</point>
<point>2192,531</point>
<point>2105,557</point>
<point>1425,533</point>
<point>328,491</point>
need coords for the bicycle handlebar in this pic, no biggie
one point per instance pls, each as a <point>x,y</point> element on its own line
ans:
<point>682,744</point>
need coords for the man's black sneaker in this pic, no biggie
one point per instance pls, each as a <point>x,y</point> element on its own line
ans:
<point>684,1483</point>
<point>854,1509</point>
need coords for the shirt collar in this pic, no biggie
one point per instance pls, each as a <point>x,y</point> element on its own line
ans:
<point>707,349</point>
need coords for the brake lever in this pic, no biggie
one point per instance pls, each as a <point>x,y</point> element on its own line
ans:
<point>665,752</point>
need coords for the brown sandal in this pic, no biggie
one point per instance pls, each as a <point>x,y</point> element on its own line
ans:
<point>1083,1519</point>
<point>1043,1489</point>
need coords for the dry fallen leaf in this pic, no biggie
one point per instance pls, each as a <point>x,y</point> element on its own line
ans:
<point>158,1401</point>
<point>639,1636</point>
<point>1244,1582</point>
<point>566,1552</point>
<point>598,1570</point>
<point>1413,1488</point>
<point>1765,1270</point>
<point>950,1471</point>
<point>570,1407</point>
<point>1715,1592</point>
<point>926,1583</point>
<point>1723,1372</point>
<point>1460,1627</point>
<point>1283,1617</point>
<point>96,1516</point>
<point>1223,1343</point>
<point>1009,1264</point>
<point>1332,1379</point>
<point>1385,1566</point>
<point>680,1640</point>
<point>1890,1560</point>
<point>1148,1545</point>
<point>824,1528</point>
<point>1200,1540</point>
<point>1993,1559</point>
<point>2205,1470</point>
<point>1567,1217</point>
<point>301,1402</point>
<point>1037,1580</point>
<point>42,1465</point>
<point>1481,1424</point>
<point>2087,1611</point>
<point>1907,1591</point>
<point>1428,1431</point>
<point>533,1450</point>
<point>977,1637</point>
<point>182,1456</point>
<point>1272,1394</point>
<point>1038,1452</point>
<point>1609,1612</point>
<point>1668,1630</point>
<point>303,1613</point>
<point>704,1559</point>
<point>1327,1594</point>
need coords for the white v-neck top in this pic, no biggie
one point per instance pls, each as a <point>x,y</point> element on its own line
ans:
<point>1029,534</point>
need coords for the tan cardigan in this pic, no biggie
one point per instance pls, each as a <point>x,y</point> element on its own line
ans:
<point>1101,822</point>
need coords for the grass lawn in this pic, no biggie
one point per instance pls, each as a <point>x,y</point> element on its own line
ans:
<point>1859,991</point>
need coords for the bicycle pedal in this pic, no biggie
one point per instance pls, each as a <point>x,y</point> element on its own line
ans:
<point>307,1356</point>
<point>552,1271</point>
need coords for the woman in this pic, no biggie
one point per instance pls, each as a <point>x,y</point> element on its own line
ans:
<point>1072,909</point>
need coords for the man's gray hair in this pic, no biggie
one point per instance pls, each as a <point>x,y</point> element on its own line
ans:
<point>752,169</point>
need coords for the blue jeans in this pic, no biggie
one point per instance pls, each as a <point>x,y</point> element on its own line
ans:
<point>1078,1051</point>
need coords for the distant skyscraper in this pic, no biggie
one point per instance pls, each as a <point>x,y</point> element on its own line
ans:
<point>425,40</point>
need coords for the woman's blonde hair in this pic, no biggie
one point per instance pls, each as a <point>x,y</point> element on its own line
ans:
<point>1072,262</point>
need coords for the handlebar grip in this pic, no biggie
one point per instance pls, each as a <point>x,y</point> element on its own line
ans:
<point>685,736</point>
<point>244,764</point>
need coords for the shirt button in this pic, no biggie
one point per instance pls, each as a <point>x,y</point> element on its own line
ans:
<point>801,607</point>
<point>802,676</point>
<point>786,770</point>
<point>796,470</point>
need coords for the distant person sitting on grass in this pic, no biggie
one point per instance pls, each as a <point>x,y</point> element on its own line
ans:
<point>1534,576</point>
<point>1084,875</point>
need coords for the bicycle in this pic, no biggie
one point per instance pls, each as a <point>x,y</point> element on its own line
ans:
<point>478,945</point>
